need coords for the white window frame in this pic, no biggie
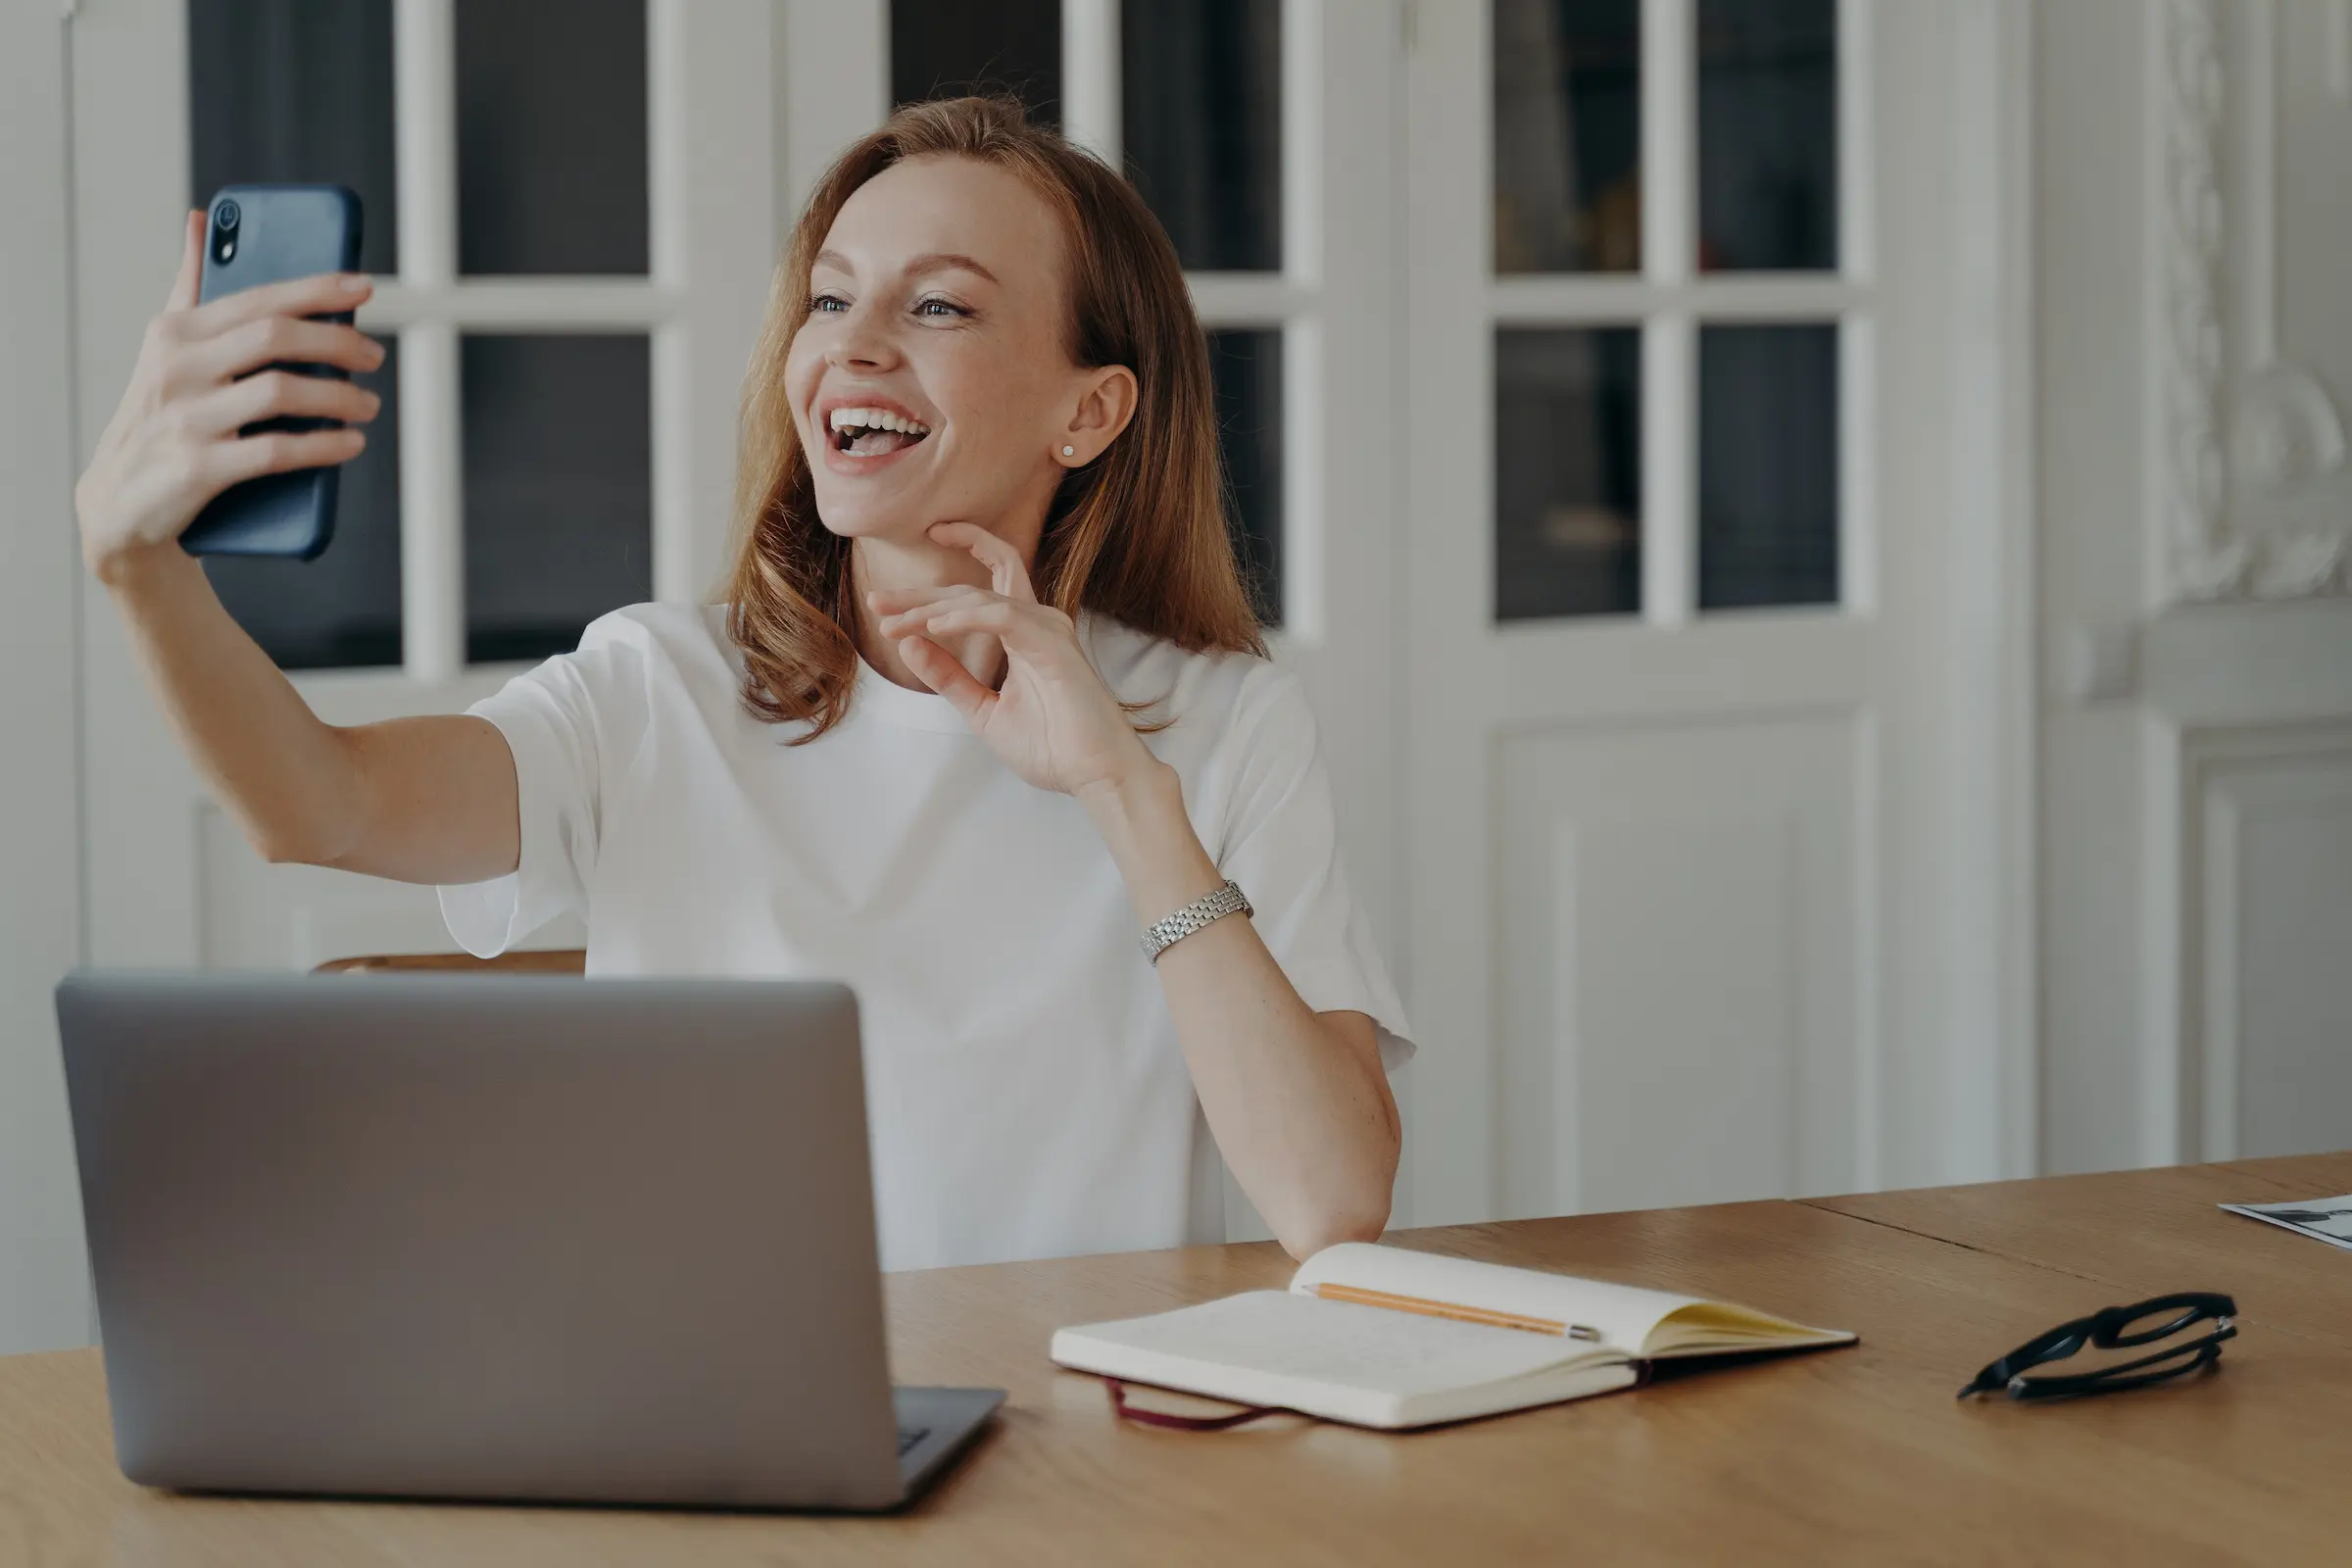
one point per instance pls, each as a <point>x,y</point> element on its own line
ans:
<point>1288,300</point>
<point>1669,302</point>
<point>430,306</point>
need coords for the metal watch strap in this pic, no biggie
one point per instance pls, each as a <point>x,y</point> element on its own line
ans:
<point>1162,935</point>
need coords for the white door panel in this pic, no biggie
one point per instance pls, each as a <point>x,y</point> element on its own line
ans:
<point>1677,971</point>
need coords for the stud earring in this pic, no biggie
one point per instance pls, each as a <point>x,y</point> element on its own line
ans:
<point>1070,452</point>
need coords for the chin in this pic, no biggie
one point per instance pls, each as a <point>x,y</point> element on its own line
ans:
<point>868,517</point>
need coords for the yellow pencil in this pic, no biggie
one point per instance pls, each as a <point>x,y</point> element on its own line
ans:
<point>1460,1314</point>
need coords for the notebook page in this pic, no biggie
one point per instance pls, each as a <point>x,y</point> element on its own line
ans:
<point>1623,1314</point>
<point>1285,1336</point>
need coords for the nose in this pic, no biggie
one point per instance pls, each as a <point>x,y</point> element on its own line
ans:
<point>859,346</point>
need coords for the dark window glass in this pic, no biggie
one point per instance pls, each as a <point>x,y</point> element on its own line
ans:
<point>550,136</point>
<point>1767,466</point>
<point>1567,472</point>
<point>1767,134</point>
<point>949,48</point>
<point>1200,118</point>
<point>558,488</point>
<point>296,92</point>
<point>1245,369</point>
<point>342,609</point>
<point>1567,135</point>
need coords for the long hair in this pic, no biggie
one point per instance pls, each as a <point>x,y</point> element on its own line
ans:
<point>1139,534</point>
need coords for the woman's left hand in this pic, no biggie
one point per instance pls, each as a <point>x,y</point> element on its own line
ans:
<point>1052,720</point>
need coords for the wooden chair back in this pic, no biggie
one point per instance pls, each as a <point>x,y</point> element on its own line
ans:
<point>553,960</point>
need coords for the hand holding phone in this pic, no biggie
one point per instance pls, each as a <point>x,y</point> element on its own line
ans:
<point>201,413</point>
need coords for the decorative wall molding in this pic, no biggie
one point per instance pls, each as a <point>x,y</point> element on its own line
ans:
<point>2275,427</point>
<point>2205,560</point>
<point>2288,432</point>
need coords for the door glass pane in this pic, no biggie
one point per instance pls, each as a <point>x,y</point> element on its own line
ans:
<point>948,48</point>
<point>1200,119</point>
<point>1767,134</point>
<point>1245,369</point>
<point>1767,466</point>
<point>1567,472</point>
<point>558,488</point>
<point>296,91</point>
<point>551,138</point>
<point>343,609</point>
<point>1567,135</point>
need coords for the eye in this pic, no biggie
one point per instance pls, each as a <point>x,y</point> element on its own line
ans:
<point>933,308</point>
<point>827,305</point>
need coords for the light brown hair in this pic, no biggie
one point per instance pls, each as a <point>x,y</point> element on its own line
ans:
<point>1139,534</point>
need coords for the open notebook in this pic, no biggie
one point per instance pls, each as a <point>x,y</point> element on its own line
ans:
<point>1383,1336</point>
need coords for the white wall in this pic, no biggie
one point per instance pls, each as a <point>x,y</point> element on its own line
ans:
<point>42,1273</point>
<point>2196,809</point>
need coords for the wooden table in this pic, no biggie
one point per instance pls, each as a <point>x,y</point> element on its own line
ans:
<point>1846,1455</point>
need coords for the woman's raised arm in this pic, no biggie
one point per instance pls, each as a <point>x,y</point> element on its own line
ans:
<point>1298,1100</point>
<point>421,799</point>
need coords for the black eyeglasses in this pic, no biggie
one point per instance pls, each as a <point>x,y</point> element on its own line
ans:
<point>2114,1329</point>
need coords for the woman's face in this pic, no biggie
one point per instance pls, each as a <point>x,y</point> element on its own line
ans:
<point>931,382</point>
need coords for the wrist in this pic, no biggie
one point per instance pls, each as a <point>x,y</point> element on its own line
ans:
<point>1148,788</point>
<point>1141,818</point>
<point>129,570</point>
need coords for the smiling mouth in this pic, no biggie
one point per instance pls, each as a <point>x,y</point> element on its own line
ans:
<point>873,432</point>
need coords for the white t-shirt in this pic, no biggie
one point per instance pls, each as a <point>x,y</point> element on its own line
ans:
<point>1026,1094</point>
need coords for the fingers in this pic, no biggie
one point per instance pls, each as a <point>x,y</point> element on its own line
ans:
<point>931,606</point>
<point>1006,572</point>
<point>917,620</point>
<point>998,618</point>
<point>897,601</point>
<point>279,393</point>
<point>320,295</point>
<point>281,340</point>
<point>1028,628</point>
<point>940,670</point>
<point>191,265</point>
<point>228,463</point>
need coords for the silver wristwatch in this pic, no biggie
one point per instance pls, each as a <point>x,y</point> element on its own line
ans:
<point>1162,935</point>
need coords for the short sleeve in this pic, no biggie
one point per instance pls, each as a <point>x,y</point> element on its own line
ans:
<point>558,721</point>
<point>1281,844</point>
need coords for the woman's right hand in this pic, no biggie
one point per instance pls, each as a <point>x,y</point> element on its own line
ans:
<point>173,444</point>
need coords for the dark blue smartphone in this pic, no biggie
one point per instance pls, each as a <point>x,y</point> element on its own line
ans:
<point>256,234</point>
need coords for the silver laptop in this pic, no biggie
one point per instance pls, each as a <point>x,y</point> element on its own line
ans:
<point>494,1237</point>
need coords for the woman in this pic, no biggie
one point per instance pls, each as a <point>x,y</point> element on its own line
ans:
<point>985,700</point>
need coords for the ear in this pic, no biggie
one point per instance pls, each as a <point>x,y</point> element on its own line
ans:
<point>1105,402</point>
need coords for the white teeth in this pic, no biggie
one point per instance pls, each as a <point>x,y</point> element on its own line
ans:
<point>875,419</point>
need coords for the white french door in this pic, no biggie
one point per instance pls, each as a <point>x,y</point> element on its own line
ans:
<point>490,528</point>
<point>1713,767</point>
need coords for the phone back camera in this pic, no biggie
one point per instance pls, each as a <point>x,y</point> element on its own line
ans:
<point>225,218</point>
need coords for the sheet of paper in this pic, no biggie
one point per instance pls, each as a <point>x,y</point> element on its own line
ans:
<point>1277,1332</point>
<point>2322,1219</point>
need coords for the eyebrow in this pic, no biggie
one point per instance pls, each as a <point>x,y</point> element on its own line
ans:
<point>929,262</point>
